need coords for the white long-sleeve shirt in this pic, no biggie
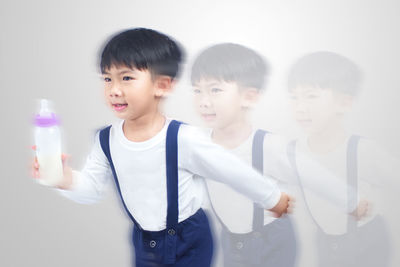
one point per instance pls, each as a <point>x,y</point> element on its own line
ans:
<point>141,171</point>
<point>315,178</point>
<point>375,169</point>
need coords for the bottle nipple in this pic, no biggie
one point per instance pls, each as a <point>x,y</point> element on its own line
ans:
<point>44,108</point>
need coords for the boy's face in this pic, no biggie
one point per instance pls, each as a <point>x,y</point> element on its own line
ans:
<point>218,103</point>
<point>315,109</point>
<point>130,93</point>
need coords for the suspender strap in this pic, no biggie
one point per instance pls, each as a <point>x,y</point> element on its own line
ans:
<point>352,174</point>
<point>105,146</point>
<point>258,164</point>
<point>172,191</point>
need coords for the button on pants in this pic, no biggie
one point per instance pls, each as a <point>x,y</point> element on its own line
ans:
<point>194,244</point>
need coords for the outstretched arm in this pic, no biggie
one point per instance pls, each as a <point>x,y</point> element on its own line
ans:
<point>202,157</point>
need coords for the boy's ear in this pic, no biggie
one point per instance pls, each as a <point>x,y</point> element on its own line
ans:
<point>345,102</point>
<point>250,97</point>
<point>163,85</point>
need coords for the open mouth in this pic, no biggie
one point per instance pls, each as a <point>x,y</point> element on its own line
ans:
<point>208,117</point>
<point>119,107</point>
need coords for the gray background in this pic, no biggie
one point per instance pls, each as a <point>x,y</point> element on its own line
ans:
<point>50,48</point>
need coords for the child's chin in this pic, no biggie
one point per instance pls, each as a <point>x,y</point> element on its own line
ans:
<point>120,115</point>
<point>209,124</point>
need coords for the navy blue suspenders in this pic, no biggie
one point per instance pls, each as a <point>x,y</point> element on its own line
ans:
<point>172,190</point>
<point>352,176</point>
<point>105,145</point>
<point>172,186</point>
<point>258,164</point>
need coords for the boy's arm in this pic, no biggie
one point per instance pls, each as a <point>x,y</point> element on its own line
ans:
<point>88,185</point>
<point>202,157</point>
<point>314,176</point>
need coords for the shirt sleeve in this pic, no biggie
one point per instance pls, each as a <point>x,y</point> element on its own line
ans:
<point>199,155</point>
<point>318,179</point>
<point>90,183</point>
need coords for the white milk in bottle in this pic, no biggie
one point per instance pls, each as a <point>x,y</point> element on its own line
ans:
<point>48,146</point>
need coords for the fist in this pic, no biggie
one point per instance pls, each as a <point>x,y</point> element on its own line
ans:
<point>284,205</point>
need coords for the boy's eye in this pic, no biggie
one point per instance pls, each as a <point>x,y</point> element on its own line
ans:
<point>196,91</point>
<point>106,79</point>
<point>216,90</point>
<point>127,78</point>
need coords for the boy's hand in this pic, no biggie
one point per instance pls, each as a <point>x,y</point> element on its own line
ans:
<point>362,210</point>
<point>66,182</point>
<point>35,167</point>
<point>285,205</point>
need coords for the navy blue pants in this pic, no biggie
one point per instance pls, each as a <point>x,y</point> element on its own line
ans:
<point>364,246</point>
<point>194,244</point>
<point>367,246</point>
<point>273,246</point>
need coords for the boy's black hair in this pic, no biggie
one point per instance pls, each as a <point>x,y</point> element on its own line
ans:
<point>231,63</point>
<point>326,70</point>
<point>143,49</point>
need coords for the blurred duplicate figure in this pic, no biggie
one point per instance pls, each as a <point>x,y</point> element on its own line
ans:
<point>157,162</point>
<point>227,81</point>
<point>322,87</point>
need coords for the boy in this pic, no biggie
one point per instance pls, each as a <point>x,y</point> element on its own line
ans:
<point>227,80</point>
<point>158,189</point>
<point>322,87</point>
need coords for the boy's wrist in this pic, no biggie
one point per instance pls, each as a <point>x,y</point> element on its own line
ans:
<point>272,200</point>
<point>69,180</point>
<point>282,205</point>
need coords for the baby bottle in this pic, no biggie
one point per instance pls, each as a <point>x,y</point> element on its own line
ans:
<point>48,146</point>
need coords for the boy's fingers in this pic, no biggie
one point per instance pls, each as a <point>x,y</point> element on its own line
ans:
<point>362,210</point>
<point>65,156</point>
<point>366,211</point>
<point>290,204</point>
<point>33,165</point>
<point>34,172</point>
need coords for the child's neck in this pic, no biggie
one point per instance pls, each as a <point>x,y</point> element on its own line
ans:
<point>143,128</point>
<point>232,135</point>
<point>327,140</point>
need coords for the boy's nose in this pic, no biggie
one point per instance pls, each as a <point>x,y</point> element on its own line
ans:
<point>300,106</point>
<point>115,91</point>
<point>205,101</point>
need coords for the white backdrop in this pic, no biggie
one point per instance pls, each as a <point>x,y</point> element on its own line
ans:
<point>50,49</point>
